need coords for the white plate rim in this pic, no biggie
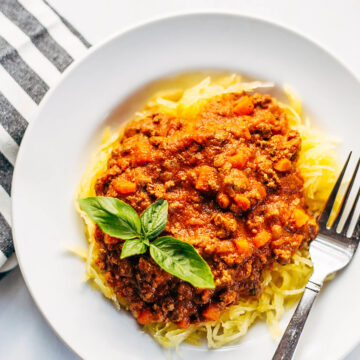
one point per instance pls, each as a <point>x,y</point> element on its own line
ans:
<point>72,67</point>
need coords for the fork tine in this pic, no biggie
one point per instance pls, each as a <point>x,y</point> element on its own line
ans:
<point>324,217</point>
<point>344,200</point>
<point>356,233</point>
<point>351,214</point>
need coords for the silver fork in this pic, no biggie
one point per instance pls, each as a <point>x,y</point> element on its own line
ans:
<point>330,251</point>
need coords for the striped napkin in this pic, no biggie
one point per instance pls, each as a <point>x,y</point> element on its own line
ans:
<point>36,46</point>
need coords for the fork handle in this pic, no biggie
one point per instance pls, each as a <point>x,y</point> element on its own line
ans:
<point>289,341</point>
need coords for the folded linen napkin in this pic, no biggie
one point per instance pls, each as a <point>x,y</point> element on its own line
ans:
<point>36,46</point>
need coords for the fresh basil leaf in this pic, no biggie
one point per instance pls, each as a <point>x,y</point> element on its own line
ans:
<point>154,218</point>
<point>113,216</point>
<point>133,247</point>
<point>183,261</point>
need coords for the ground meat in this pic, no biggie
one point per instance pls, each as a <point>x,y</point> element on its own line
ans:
<point>234,193</point>
<point>226,223</point>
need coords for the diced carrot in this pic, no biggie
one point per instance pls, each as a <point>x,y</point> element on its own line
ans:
<point>261,190</point>
<point>145,317</point>
<point>258,190</point>
<point>262,238</point>
<point>184,323</point>
<point>239,160</point>
<point>244,106</point>
<point>223,200</point>
<point>123,186</point>
<point>246,133</point>
<point>242,202</point>
<point>207,178</point>
<point>211,313</point>
<point>242,246</point>
<point>142,153</point>
<point>283,165</point>
<point>300,217</point>
<point>142,157</point>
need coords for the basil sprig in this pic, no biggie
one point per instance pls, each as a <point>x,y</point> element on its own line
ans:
<point>120,220</point>
<point>182,260</point>
<point>113,216</point>
<point>154,218</point>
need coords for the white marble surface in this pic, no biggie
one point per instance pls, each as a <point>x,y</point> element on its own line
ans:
<point>24,334</point>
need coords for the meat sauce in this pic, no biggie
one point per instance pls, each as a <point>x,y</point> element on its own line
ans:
<point>234,192</point>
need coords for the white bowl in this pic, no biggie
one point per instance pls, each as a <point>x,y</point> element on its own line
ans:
<point>58,144</point>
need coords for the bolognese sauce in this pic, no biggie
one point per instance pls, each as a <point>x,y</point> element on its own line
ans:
<point>234,192</point>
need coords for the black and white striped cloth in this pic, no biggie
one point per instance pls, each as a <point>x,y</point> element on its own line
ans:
<point>36,46</point>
